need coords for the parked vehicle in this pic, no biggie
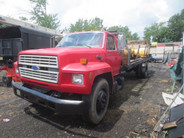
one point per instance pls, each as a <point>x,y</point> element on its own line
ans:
<point>14,39</point>
<point>77,76</point>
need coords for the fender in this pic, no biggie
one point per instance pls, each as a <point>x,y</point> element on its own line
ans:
<point>90,71</point>
<point>15,76</point>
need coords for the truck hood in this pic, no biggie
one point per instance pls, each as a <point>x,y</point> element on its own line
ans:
<point>59,51</point>
<point>69,55</point>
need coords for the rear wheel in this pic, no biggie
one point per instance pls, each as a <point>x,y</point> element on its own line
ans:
<point>142,70</point>
<point>97,102</point>
<point>6,81</point>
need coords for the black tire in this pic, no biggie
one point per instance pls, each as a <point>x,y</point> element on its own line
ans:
<point>142,71</point>
<point>145,74</point>
<point>97,102</point>
<point>6,81</point>
<point>121,82</point>
<point>138,71</point>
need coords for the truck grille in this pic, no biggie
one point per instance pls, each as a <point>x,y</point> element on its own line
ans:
<point>39,67</point>
<point>39,60</point>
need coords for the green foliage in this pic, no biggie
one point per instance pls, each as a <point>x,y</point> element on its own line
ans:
<point>176,26</point>
<point>165,132</point>
<point>125,30</point>
<point>171,89</point>
<point>158,31</point>
<point>97,24</point>
<point>135,36</point>
<point>3,25</point>
<point>87,25</point>
<point>23,18</point>
<point>40,16</point>
<point>166,31</point>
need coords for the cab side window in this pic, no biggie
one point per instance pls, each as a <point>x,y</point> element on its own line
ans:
<point>111,45</point>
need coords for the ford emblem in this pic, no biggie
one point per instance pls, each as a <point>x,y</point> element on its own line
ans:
<point>35,68</point>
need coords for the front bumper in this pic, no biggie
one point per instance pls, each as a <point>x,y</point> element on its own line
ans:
<point>56,104</point>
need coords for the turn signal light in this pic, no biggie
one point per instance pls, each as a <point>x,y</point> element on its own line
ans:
<point>84,61</point>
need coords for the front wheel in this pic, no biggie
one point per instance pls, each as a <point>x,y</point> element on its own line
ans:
<point>97,102</point>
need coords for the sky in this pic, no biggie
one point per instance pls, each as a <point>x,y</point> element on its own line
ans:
<point>136,14</point>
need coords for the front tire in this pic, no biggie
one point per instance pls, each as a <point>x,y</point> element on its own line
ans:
<point>97,102</point>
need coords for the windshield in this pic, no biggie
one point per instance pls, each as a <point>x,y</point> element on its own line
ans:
<point>89,39</point>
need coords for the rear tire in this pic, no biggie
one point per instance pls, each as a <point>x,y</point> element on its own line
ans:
<point>142,70</point>
<point>97,102</point>
<point>144,73</point>
<point>6,81</point>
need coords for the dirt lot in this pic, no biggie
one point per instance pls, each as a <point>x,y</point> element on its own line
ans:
<point>132,112</point>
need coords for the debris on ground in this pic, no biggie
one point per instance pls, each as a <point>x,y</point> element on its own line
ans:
<point>168,98</point>
<point>6,120</point>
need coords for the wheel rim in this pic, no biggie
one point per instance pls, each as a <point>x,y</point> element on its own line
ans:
<point>101,102</point>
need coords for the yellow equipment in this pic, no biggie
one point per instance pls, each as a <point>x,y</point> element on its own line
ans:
<point>138,48</point>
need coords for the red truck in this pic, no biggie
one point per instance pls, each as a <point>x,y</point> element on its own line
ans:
<point>78,75</point>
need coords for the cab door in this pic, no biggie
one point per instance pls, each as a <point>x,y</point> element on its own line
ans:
<point>112,55</point>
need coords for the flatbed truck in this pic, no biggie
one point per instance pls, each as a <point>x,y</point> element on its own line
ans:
<point>79,74</point>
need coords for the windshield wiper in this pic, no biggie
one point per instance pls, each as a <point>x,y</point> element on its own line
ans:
<point>86,45</point>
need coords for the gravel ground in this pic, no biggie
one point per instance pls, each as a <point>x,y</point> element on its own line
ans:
<point>132,112</point>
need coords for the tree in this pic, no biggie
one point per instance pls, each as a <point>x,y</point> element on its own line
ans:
<point>135,36</point>
<point>23,18</point>
<point>125,30</point>
<point>97,24</point>
<point>41,17</point>
<point>166,31</point>
<point>87,25</point>
<point>78,26</point>
<point>158,31</point>
<point>176,26</point>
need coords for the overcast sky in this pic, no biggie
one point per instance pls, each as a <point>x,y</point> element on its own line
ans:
<point>136,14</point>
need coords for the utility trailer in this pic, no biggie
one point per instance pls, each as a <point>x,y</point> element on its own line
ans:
<point>14,39</point>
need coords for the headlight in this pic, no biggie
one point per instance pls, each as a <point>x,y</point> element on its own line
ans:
<point>16,69</point>
<point>78,79</point>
